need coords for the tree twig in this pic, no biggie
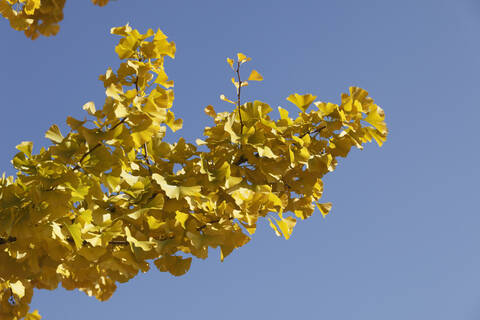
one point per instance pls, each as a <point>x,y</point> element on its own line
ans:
<point>312,131</point>
<point>238,96</point>
<point>96,146</point>
<point>146,154</point>
<point>7,240</point>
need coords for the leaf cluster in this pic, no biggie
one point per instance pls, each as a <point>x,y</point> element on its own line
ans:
<point>111,195</point>
<point>36,17</point>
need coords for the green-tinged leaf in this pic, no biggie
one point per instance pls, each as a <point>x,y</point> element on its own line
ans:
<point>74,123</point>
<point>26,147</point>
<point>76,232</point>
<point>173,192</point>
<point>181,218</point>
<point>266,152</point>
<point>92,253</point>
<point>54,134</point>
<point>134,242</point>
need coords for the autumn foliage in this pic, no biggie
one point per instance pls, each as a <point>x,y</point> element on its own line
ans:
<point>36,17</point>
<point>111,195</point>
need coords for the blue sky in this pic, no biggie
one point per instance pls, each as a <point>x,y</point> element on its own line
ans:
<point>402,241</point>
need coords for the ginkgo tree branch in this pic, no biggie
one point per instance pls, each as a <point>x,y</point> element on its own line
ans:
<point>317,130</point>
<point>97,228</point>
<point>239,88</point>
<point>7,240</point>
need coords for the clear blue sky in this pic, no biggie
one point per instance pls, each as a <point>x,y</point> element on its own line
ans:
<point>402,241</point>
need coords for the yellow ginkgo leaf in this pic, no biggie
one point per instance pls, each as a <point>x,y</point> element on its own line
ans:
<point>326,108</point>
<point>89,107</point>
<point>181,218</point>
<point>33,316</point>
<point>175,125</point>
<point>230,62</point>
<point>18,288</point>
<point>274,227</point>
<point>172,192</point>
<point>31,6</point>
<point>100,3</point>
<point>301,101</point>
<point>376,118</point>
<point>235,83</point>
<point>54,134</point>
<point>286,225</point>
<point>176,265</point>
<point>26,147</point>
<point>121,31</point>
<point>255,76</point>
<point>242,58</point>
<point>76,231</point>
<point>209,110</point>
<point>324,208</point>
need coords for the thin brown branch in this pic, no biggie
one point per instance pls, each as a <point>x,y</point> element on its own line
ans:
<point>118,242</point>
<point>240,160</point>
<point>7,240</point>
<point>119,123</point>
<point>97,145</point>
<point>11,299</point>
<point>211,222</point>
<point>313,131</point>
<point>238,96</point>
<point>145,155</point>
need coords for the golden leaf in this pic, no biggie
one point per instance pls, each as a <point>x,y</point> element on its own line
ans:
<point>324,208</point>
<point>255,76</point>
<point>176,265</point>
<point>230,62</point>
<point>54,134</point>
<point>301,101</point>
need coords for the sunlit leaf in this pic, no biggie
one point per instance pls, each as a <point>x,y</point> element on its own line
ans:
<point>18,288</point>
<point>230,62</point>
<point>301,101</point>
<point>54,134</point>
<point>255,76</point>
<point>76,233</point>
<point>324,208</point>
<point>26,147</point>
